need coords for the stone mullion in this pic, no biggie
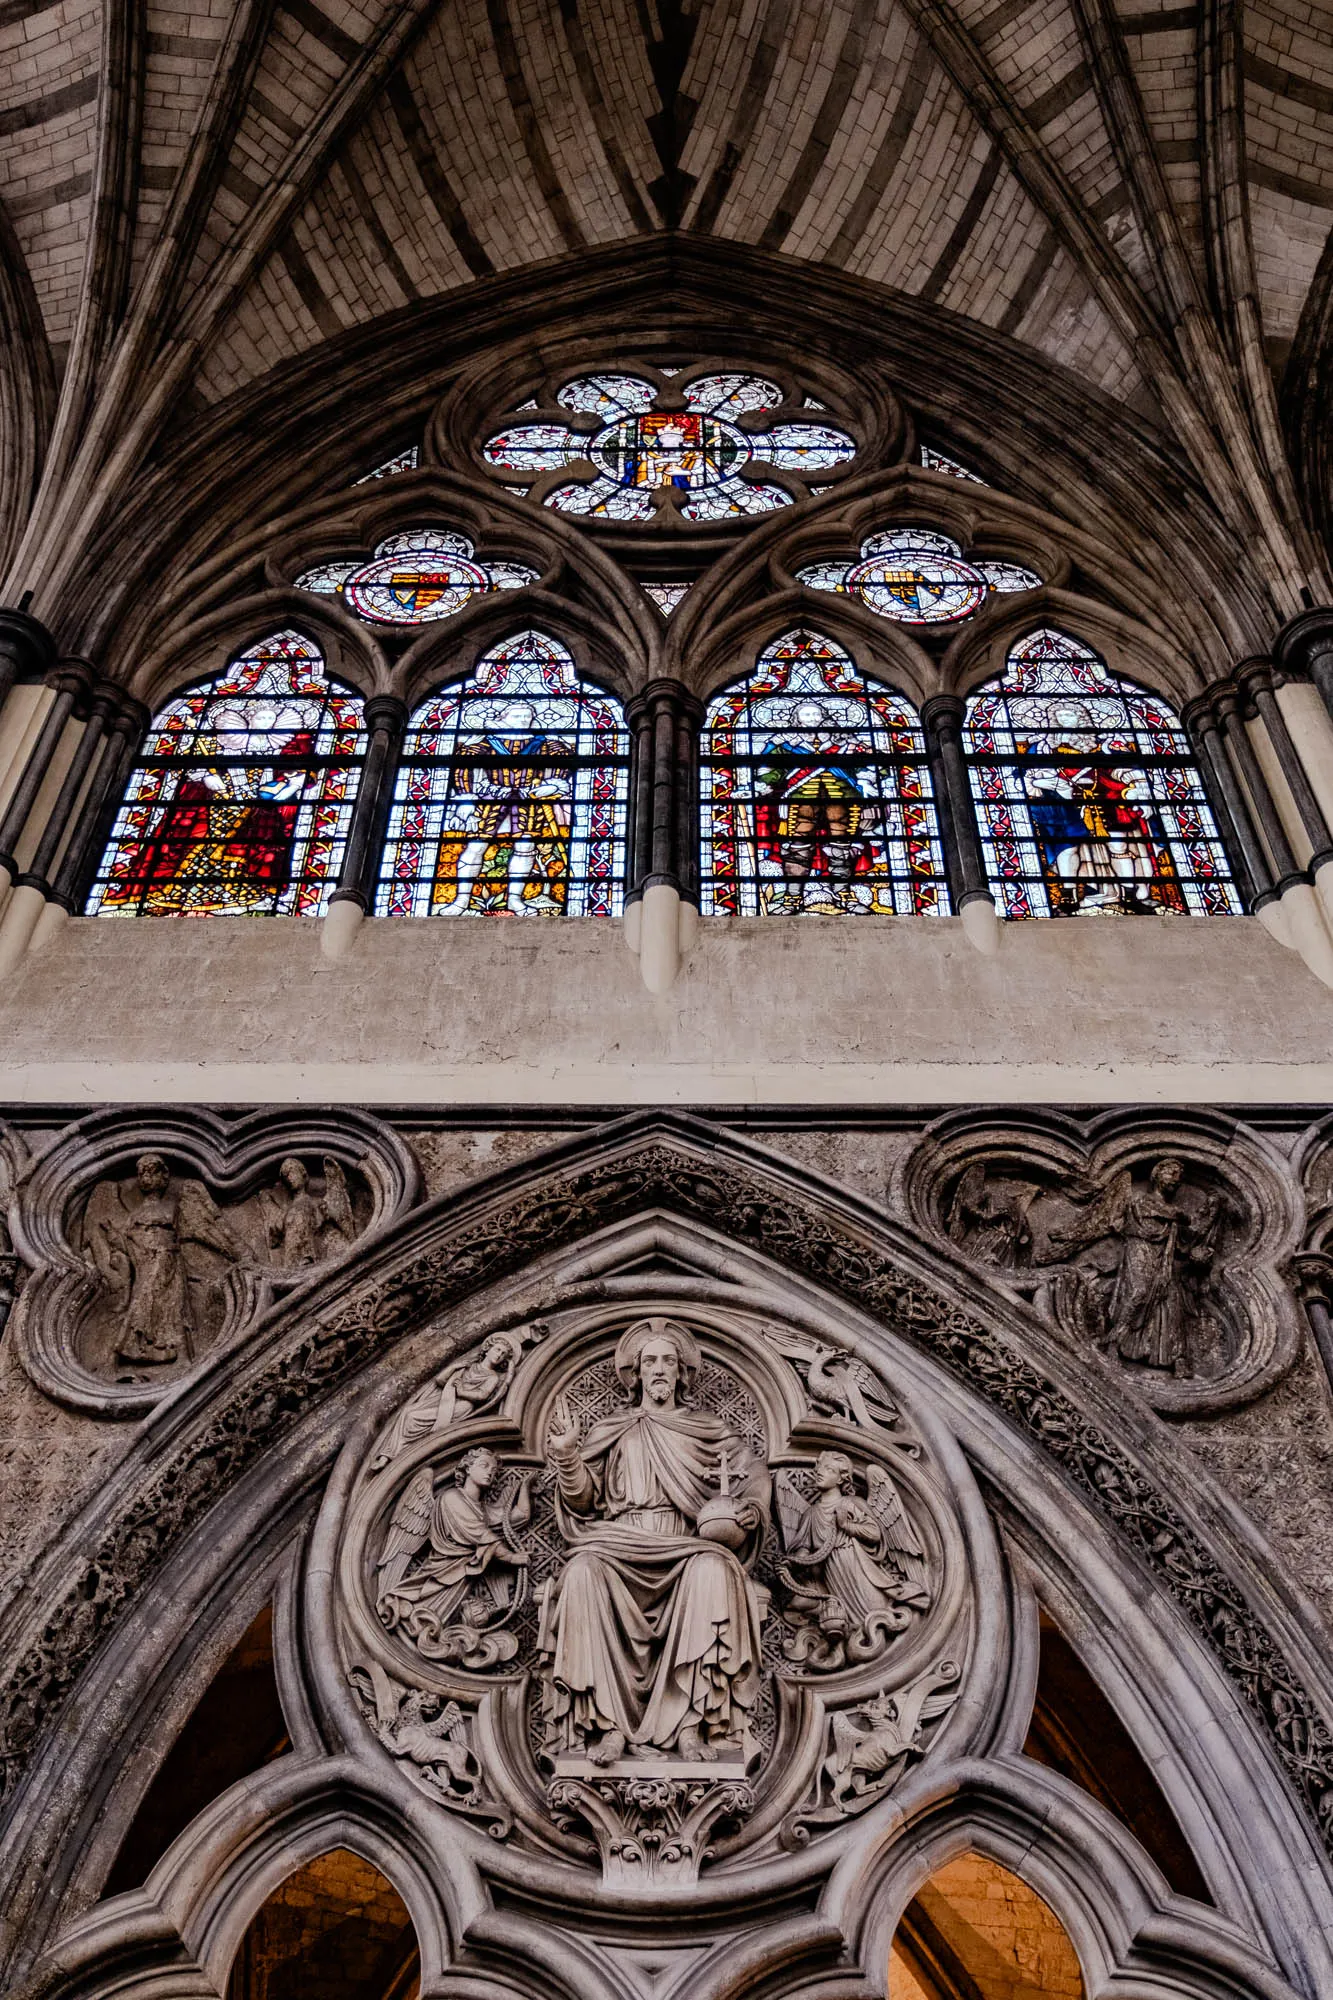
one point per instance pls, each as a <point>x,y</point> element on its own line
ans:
<point>942,718</point>
<point>72,685</point>
<point>1249,862</point>
<point>1256,677</point>
<point>386,722</point>
<point>661,903</point>
<point>102,801</point>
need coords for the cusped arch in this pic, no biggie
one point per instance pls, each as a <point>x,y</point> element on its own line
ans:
<point>1085,1470</point>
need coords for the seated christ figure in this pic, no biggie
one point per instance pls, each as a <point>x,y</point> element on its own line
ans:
<point>650,1635</point>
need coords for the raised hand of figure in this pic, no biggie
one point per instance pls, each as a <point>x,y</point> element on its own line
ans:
<point>562,1437</point>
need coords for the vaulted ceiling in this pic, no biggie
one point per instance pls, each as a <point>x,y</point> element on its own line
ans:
<point>195,193</point>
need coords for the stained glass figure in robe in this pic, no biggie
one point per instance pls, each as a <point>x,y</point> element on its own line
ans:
<point>241,802</point>
<point>699,453</point>
<point>817,796</point>
<point>1089,799</point>
<point>511,798</point>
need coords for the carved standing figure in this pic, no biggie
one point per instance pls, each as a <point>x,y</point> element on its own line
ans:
<point>1147,1316</point>
<point>451,1603</point>
<point>455,1393</point>
<point>855,1569</point>
<point>139,1244</point>
<point>651,1634</point>
<point>302,1228</point>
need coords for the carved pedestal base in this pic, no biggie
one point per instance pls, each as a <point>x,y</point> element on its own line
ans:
<point>651,1823</point>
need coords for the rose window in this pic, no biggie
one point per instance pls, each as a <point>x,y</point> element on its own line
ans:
<point>918,577</point>
<point>698,458</point>
<point>414,578</point>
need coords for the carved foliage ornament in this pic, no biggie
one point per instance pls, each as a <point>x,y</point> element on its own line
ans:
<point>1159,1247</point>
<point>155,1241</point>
<point>48,1651</point>
<point>661,1581</point>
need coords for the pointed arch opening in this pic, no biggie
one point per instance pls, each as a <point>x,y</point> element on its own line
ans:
<point>235,1728</point>
<point>241,801</point>
<point>817,794</point>
<point>977,1932</point>
<point>336,1929</point>
<point>512,795</point>
<point>1087,792</point>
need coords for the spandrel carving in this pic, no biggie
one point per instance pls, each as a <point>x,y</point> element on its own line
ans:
<point>624,1544</point>
<point>155,1240</point>
<point>1160,1247</point>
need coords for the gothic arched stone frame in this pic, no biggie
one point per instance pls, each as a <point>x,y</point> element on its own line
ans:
<point>1179,1607</point>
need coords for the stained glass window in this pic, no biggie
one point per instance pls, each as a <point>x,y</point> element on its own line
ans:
<point>917,576</point>
<point>939,461</point>
<point>698,456</point>
<point>668,597</point>
<point>414,578</point>
<point>402,461</point>
<point>1089,800</point>
<point>241,801</point>
<point>511,797</point>
<point>816,793</point>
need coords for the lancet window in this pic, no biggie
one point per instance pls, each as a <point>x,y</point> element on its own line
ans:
<point>241,800</point>
<point>1087,793</point>
<point>511,798</point>
<point>817,796</point>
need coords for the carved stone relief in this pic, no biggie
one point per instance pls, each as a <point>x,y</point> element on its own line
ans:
<point>153,1241</point>
<point>1159,1247</point>
<point>664,1582</point>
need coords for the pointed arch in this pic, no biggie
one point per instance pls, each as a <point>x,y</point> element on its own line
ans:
<point>1088,795</point>
<point>817,793</point>
<point>241,801</point>
<point>512,795</point>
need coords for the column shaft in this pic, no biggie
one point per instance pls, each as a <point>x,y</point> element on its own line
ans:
<point>942,718</point>
<point>386,719</point>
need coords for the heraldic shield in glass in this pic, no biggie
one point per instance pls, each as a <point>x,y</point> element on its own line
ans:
<point>817,796</point>
<point>1089,799</point>
<point>511,798</point>
<point>241,802</point>
<point>696,456</point>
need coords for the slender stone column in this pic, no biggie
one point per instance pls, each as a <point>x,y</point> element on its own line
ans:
<point>1312,1273</point>
<point>73,682</point>
<point>386,719</point>
<point>1304,651</point>
<point>942,718</point>
<point>1285,898</point>
<point>1249,863</point>
<point>662,903</point>
<point>124,731</point>
<point>27,649</point>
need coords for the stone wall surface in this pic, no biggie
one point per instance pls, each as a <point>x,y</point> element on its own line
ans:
<point>894,1010</point>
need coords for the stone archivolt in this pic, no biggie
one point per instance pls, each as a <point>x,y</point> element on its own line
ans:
<point>677,1579</point>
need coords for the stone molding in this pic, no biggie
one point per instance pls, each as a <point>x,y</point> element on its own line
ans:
<point>663,1163</point>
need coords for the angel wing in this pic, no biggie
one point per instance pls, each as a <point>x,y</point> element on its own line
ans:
<point>900,1536</point>
<point>337,1200</point>
<point>1105,1216</point>
<point>200,1220</point>
<point>103,1221</point>
<point>793,1514</point>
<point>966,1200</point>
<point>408,1530</point>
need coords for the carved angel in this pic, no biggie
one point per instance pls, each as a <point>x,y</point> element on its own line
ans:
<point>141,1244</point>
<point>871,1744</point>
<point>422,1728</point>
<point>855,1570</point>
<point>302,1228</point>
<point>473,1579</point>
<point>989,1220</point>
<point>1142,1296</point>
<point>456,1392</point>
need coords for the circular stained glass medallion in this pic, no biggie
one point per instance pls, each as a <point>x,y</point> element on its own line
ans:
<point>664,448</point>
<point>917,579</point>
<point>424,578</point>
